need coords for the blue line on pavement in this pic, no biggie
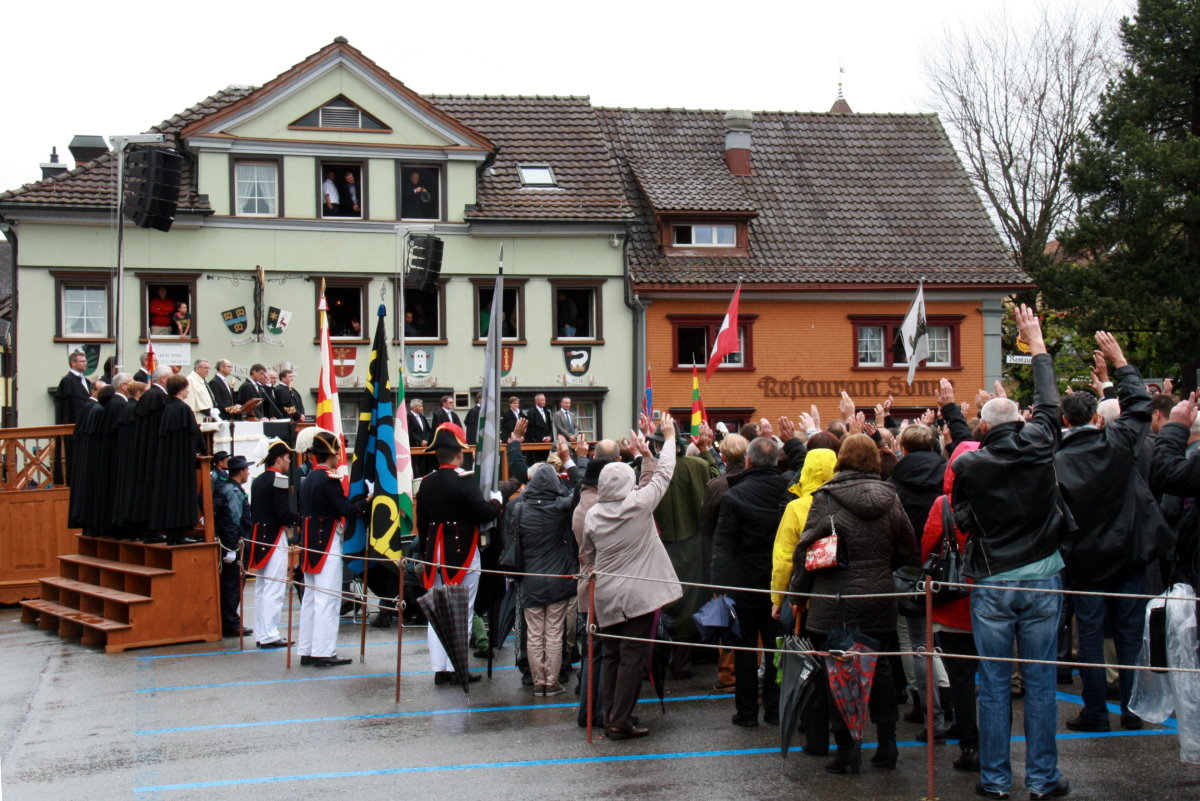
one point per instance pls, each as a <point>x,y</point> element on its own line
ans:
<point>391,715</point>
<point>353,774</point>
<point>1114,709</point>
<point>310,678</point>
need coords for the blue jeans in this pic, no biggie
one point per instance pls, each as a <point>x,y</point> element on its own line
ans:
<point>1126,617</point>
<point>1002,615</point>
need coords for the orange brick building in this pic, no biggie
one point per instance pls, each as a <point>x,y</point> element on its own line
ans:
<point>828,221</point>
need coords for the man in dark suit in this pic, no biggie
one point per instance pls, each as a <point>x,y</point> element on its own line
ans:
<point>419,436</point>
<point>508,420</point>
<point>473,430</point>
<point>143,374</point>
<point>541,428</point>
<point>222,391</point>
<point>252,389</point>
<point>445,413</point>
<point>74,391</point>
<point>287,398</point>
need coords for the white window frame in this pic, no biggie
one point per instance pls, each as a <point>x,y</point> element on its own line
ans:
<point>948,344</point>
<point>239,197</point>
<point>879,361</point>
<point>713,230</point>
<point>585,417</point>
<point>102,333</point>
<point>526,173</point>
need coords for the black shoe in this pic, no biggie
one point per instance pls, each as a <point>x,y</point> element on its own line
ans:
<point>939,735</point>
<point>815,751</point>
<point>885,757</point>
<point>443,677</point>
<point>483,653</point>
<point>748,723</point>
<point>625,733</point>
<point>382,621</point>
<point>154,539</point>
<point>306,660</point>
<point>844,762</point>
<point>329,661</point>
<point>771,718</point>
<point>274,644</point>
<point>1057,791</point>
<point>1113,691</point>
<point>236,633</point>
<point>968,760</point>
<point>723,688</point>
<point>1065,675</point>
<point>1130,721</point>
<point>526,680</point>
<point>986,793</point>
<point>1080,723</point>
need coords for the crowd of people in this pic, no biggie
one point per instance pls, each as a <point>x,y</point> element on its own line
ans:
<point>1092,492</point>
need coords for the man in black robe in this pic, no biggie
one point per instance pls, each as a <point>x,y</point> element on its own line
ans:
<point>73,392</point>
<point>84,446</point>
<point>173,509</point>
<point>147,426</point>
<point>124,469</point>
<point>118,409</point>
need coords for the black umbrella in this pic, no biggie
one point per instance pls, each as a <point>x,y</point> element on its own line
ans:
<point>501,619</point>
<point>445,606</point>
<point>798,687</point>
<point>659,657</point>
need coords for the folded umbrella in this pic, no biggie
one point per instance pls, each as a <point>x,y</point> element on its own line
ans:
<point>851,675</point>
<point>659,657</point>
<point>445,606</point>
<point>501,619</point>
<point>798,686</point>
<point>717,621</point>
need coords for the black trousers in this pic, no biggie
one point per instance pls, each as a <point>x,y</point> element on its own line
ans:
<point>961,673</point>
<point>884,703</point>
<point>623,667</point>
<point>231,596</point>
<point>755,622</point>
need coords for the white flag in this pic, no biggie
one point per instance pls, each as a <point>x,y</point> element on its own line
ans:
<point>915,334</point>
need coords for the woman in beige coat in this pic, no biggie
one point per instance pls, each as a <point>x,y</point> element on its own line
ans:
<point>619,537</point>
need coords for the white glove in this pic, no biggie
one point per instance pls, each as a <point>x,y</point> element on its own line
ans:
<point>214,413</point>
<point>495,495</point>
<point>229,558</point>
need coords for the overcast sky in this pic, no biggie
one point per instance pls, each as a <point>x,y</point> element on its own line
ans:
<point>113,68</point>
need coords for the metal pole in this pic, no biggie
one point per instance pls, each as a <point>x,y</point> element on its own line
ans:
<point>399,629</point>
<point>291,588</point>
<point>591,671</point>
<point>929,688</point>
<point>120,332</point>
<point>362,641</point>
<point>241,603</point>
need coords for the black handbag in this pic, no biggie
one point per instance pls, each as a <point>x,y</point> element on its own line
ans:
<point>512,558</point>
<point>946,566</point>
<point>908,578</point>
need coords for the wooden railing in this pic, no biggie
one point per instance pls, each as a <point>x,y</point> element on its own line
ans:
<point>34,458</point>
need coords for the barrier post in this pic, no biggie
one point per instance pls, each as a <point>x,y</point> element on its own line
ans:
<point>400,627</point>
<point>930,688</point>
<point>291,582</point>
<point>362,637</point>
<point>591,678</point>
<point>241,600</point>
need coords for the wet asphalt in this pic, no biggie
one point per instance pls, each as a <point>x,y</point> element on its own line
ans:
<point>207,721</point>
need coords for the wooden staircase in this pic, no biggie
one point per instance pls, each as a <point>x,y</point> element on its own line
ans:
<point>120,595</point>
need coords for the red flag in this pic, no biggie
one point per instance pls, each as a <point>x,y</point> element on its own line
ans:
<point>150,351</point>
<point>648,398</point>
<point>727,340</point>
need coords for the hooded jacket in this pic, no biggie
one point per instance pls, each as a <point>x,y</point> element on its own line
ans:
<point>541,519</point>
<point>619,536</point>
<point>956,614</point>
<point>918,479</point>
<point>818,468</point>
<point>1006,494</point>
<point>878,539</point>
<point>745,533</point>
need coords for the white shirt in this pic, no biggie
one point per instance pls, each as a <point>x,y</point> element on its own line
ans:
<point>331,193</point>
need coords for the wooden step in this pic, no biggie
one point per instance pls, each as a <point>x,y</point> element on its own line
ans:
<point>109,564</point>
<point>74,615</point>
<point>83,588</point>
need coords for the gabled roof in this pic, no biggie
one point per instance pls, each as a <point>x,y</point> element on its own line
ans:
<point>338,48</point>
<point>93,184</point>
<point>690,184</point>
<point>841,198</point>
<point>560,131</point>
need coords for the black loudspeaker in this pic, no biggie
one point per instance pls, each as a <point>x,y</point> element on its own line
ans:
<point>152,177</point>
<point>425,262</point>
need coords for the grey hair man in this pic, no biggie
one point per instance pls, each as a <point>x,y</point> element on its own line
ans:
<point>199,398</point>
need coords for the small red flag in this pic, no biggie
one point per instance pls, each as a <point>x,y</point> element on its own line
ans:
<point>727,340</point>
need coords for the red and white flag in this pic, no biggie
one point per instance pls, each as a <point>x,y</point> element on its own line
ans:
<point>727,340</point>
<point>329,410</point>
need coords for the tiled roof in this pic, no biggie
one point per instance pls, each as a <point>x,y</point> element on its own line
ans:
<point>560,131</point>
<point>690,184</point>
<point>841,198</point>
<point>93,185</point>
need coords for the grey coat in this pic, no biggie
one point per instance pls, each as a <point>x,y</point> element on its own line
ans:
<point>619,536</point>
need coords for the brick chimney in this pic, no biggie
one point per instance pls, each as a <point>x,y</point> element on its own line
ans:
<point>738,142</point>
<point>52,167</point>
<point>85,148</point>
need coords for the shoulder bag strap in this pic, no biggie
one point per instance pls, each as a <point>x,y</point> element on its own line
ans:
<point>949,541</point>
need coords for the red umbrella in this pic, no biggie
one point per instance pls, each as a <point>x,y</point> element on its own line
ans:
<point>851,674</point>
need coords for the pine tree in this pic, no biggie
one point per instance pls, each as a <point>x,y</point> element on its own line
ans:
<point>1132,260</point>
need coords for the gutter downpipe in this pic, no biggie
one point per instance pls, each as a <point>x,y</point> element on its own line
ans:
<point>634,303</point>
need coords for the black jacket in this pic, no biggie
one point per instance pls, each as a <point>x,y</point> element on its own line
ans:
<point>508,421</point>
<point>450,507</point>
<point>441,415</point>
<point>1005,494</point>
<point>222,396</point>
<point>1179,475</point>
<point>918,479</point>
<point>538,428</point>
<point>745,534</point>
<point>1120,528</point>
<point>877,537</point>
<point>541,518</point>
<point>71,399</point>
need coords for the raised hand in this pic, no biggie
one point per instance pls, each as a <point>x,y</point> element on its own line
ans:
<point>846,406</point>
<point>581,447</point>
<point>1000,391</point>
<point>945,393</point>
<point>764,427</point>
<point>1030,329</point>
<point>982,397</point>
<point>786,429</point>
<point>645,425</point>
<point>1184,412</point>
<point>806,421</point>
<point>668,426</point>
<point>1110,348</point>
<point>928,417</point>
<point>1099,364</point>
<point>854,423</point>
<point>816,415</point>
<point>518,432</point>
<point>704,439</point>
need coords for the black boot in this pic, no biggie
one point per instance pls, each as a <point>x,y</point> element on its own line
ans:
<point>917,713</point>
<point>849,755</point>
<point>886,754</point>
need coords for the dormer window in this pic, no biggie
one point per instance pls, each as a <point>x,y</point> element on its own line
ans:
<point>719,236</point>
<point>340,114</point>
<point>537,176</point>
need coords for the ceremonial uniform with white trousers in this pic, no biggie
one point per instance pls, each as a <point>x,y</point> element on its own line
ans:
<point>450,508</point>
<point>267,556</point>
<point>325,512</point>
